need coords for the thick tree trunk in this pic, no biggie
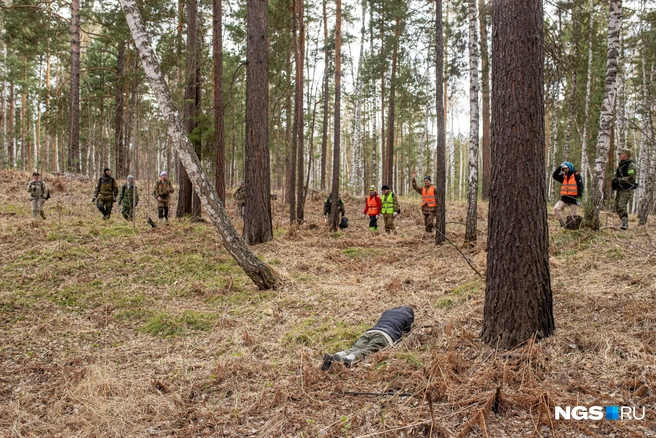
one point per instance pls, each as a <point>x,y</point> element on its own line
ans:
<point>260,273</point>
<point>74,124</point>
<point>485,92</point>
<point>518,299</point>
<point>472,189</point>
<point>219,136</point>
<point>258,227</point>
<point>606,117</point>
<point>338,97</point>
<point>440,177</point>
<point>585,167</point>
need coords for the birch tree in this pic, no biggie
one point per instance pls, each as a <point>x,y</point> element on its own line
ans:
<point>606,117</point>
<point>472,189</point>
<point>440,177</point>
<point>585,167</point>
<point>259,272</point>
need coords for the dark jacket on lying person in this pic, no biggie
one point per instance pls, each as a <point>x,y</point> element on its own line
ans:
<point>391,326</point>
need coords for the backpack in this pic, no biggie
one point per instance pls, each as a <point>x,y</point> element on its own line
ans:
<point>343,223</point>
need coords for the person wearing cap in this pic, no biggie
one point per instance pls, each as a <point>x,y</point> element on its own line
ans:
<point>38,195</point>
<point>162,192</point>
<point>372,208</point>
<point>129,198</point>
<point>106,192</point>
<point>390,208</point>
<point>624,182</point>
<point>571,189</point>
<point>428,201</point>
<point>240,197</point>
<point>389,329</point>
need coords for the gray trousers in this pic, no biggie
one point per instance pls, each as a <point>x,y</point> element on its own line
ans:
<point>368,343</point>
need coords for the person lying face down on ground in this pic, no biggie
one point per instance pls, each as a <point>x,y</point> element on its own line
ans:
<point>391,326</point>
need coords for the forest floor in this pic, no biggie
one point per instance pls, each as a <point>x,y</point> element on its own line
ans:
<point>113,330</point>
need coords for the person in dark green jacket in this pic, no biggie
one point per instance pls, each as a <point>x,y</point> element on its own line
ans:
<point>106,192</point>
<point>129,198</point>
<point>624,183</point>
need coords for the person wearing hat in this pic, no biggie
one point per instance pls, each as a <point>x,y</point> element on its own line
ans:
<point>372,208</point>
<point>624,183</point>
<point>571,189</point>
<point>162,191</point>
<point>240,197</point>
<point>428,201</point>
<point>106,192</point>
<point>129,198</point>
<point>390,208</point>
<point>39,194</point>
<point>389,329</point>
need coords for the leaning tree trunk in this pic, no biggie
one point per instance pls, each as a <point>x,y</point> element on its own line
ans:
<point>260,273</point>
<point>606,117</point>
<point>518,299</point>
<point>440,156</point>
<point>472,190</point>
<point>74,124</point>
<point>336,135</point>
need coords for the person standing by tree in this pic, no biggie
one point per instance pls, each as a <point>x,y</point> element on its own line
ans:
<point>372,208</point>
<point>327,205</point>
<point>428,201</point>
<point>390,208</point>
<point>162,192</point>
<point>571,189</point>
<point>624,183</point>
<point>240,197</point>
<point>129,198</point>
<point>38,195</point>
<point>106,192</point>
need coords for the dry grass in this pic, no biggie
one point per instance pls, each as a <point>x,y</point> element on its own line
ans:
<point>113,331</point>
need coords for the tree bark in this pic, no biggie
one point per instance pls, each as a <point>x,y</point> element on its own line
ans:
<point>518,298</point>
<point>298,115</point>
<point>74,125</point>
<point>440,177</point>
<point>118,111</point>
<point>647,150</point>
<point>258,227</point>
<point>585,167</point>
<point>472,189</point>
<point>219,135</point>
<point>298,89</point>
<point>606,117</point>
<point>391,116</point>
<point>326,84</point>
<point>485,92</point>
<point>259,272</point>
<point>337,125</point>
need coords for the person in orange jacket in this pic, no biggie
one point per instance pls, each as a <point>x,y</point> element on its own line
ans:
<point>428,201</point>
<point>372,208</point>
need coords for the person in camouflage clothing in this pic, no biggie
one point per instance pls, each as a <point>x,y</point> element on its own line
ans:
<point>390,208</point>
<point>106,192</point>
<point>38,195</point>
<point>240,197</point>
<point>162,192</point>
<point>624,183</point>
<point>129,198</point>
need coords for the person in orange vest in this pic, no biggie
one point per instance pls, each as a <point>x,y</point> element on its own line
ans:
<point>571,188</point>
<point>372,208</point>
<point>428,201</point>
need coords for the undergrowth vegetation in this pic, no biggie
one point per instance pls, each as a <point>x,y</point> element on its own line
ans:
<point>115,329</point>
